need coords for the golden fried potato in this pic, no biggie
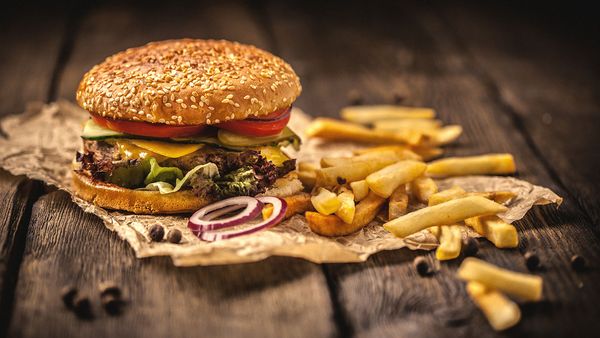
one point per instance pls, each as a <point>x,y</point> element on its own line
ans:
<point>347,208</point>
<point>520,285</point>
<point>419,125</point>
<point>328,177</point>
<point>501,312</point>
<point>492,164</point>
<point>398,202</point>
<point>450,212</point>
<point>344,131</point>
<point>502,234</point>
<point>360,189</point>
<point>332,225</point>
<point>422,188</point>
<point>371,114</point>
<point>386,180</point>
<point>385,156</point>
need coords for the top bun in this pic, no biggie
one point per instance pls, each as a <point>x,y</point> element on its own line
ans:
<point>183,82</point>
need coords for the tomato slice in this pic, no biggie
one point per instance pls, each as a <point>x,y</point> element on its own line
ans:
<point>274,115</point>
<point>259,127</point>
<point>148,129</point>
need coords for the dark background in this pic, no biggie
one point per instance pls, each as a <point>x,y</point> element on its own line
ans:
<point>520,78</point>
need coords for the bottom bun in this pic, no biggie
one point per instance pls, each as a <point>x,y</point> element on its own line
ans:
<point>111,196</point>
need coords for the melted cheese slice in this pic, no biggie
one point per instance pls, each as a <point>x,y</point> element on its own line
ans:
<point>172,150</point>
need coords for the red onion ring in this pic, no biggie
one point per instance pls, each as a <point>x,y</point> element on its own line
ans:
<point>202,220</point>
<point>279,209</point>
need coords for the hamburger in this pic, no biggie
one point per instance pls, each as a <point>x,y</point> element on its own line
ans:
<point>178,124</point>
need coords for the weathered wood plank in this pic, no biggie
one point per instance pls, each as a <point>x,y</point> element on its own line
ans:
<point>26,70</point>
<point>381,49</point>
<point>273,298</point>
<point>547,76</point>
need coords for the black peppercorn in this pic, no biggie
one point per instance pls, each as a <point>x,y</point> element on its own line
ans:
<point>109,288</point>
<point>532,260</point>
<point>111,304</point>
<point>157,232</point>
<point>578,263</point>
<point>470,246</point>
<point>82,306</point>
<point>341,180</point>
<point>174,236</point>
<point>422,266</point>
<point>355,98</point>
<point>399,98</point>
<point>67,295</point>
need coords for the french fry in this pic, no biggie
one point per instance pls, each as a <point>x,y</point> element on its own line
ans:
<point>387,156</point>
<point>502,234</point>
<point>378,149</point>
<point>360,189</point>
<point>332,225</point>
<point>496,196</point>
<point>446,195</point>
<point>457,192</point>
<point>307,166</point>
<point>501,312</point>
<point>450,237</point>
<point>344,131</point>
<point>428,153</point>
<point>386,180</point>
<point>407,124</point>
<point>491,164</point>
<point>328,177</point>
<point>325,202</point>
<point>422,188</point>
<point>442,136</point>
<point>347,208</point>
<point>523,286</point>
<point>398,202</point>
<point>371,114</point>
<point>308,178</point>
<point>296,204</point>
<point>449,212</point>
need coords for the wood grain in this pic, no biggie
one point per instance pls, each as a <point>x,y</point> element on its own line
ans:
<point>274,298</point>
<point>24,76</point>
<point>65,246</point>
<point>383,49</point>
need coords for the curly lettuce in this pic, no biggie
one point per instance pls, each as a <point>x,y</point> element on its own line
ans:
<point>207,170</point>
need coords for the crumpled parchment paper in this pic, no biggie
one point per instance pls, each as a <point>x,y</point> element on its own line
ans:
<point>42,142</point>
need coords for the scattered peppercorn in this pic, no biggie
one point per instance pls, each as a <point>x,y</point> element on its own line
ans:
<point>422,266</point>
<point>470,246</point>
<point>532,260</point>
<point>578,263</point>
<point>174,236</point>
<point>399,98</point>
<point>355,98</point>
<point>109,288</point>
<point>341,180</point>
<point>157,232</point>
<point>82,306</point>
<point>67,295</point>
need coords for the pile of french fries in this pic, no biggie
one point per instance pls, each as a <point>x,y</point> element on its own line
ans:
<point>384,180</point>
<point>349,192</point>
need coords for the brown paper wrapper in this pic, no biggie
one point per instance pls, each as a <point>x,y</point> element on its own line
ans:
<point>42,142</point>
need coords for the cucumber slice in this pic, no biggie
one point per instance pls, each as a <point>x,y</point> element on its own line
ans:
<point>228,138</point>
<point>92,131</point>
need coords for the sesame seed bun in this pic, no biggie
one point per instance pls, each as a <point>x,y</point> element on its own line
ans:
<point>112,196</point>
<point>189,82</point>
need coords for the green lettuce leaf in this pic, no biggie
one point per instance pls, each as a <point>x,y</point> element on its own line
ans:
<point>206,170</point>
<point>162,174</point>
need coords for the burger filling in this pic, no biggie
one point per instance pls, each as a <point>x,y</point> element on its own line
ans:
<point>216,165</point>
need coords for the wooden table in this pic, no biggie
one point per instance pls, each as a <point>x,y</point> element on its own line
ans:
<point>521,80</point>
